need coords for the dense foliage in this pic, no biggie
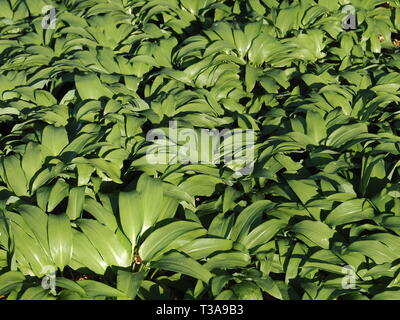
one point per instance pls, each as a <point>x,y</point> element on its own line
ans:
<point>78,196</point>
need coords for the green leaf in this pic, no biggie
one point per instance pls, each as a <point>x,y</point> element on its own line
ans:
<point>226,295</point>
<point>14,175</point>
<point>59,191</point>
<point>269,286</point>
<point>86,255</point>
<point>373,249</point>
<point>131,215</point>
<point>247,291</point>
<point>37,220</point>
<point>200,185</point>
<point>247,217</point>
<point>263,233</point>
<point>251,78</point>
<point>350,211</point>
<point>346,134</point>
<point>316,128</point>
<point>161,238</point>
<point>54,139</point>
<point>100,213</point>
<point>70,285</point>
<point>37,293</point>
<point>11,280</point>
<point>60,239</point>
<point>392,294</point>
<point>151,193</point>
<point>177,262</point>
<point>228,260</point>
<point>90,87</point>
<point>106,242</point>
<point>203,247</point>
<point>316,231</point>
<point>129,282</point>
<point>96,289</point>
<point>75,202</point>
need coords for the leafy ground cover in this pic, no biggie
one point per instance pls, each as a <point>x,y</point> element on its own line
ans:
<point>84,215</point>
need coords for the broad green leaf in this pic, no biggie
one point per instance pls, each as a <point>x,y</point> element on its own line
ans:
<point>263,233</point>
<point>70,285</point>
<point>90,87</point>
<point>14,175</point>
<point>106,242</point>
<point>203,247</point>
<point>130,211</point>
<point>54,139</point>
<point>177,262</point>
<point>161,238</point>
<point>350,211</point>
<point>98,289</point>
<point>11,280</point>
<point>129,282</point>
<point>75,202</point>
<point>373,249</point>
<point>247,217</point>
<point>200,185</point>
<point>228,260</point>
<point>37,220</point>
<point>247,291</point>
<point>37,293</point>
<point>60,239</point>
<point>100,213</point>
<point>86,255</point>
<point>59,191</point>
<point>151,196</point>
<point>269,286</point>
<point>316,231</point>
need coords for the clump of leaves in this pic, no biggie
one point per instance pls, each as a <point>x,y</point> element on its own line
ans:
<point>318,218</point>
